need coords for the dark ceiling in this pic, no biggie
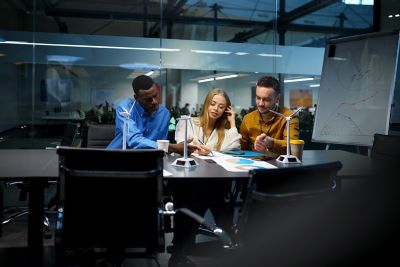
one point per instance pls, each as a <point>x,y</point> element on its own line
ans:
<point>233,21</point>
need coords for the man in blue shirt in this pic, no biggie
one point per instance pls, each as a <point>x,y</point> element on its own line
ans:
<point>146,120</point>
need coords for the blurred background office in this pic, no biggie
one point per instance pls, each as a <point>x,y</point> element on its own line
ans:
<point>70,60</point>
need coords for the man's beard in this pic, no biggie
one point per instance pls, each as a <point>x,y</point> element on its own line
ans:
<point>266,111</point>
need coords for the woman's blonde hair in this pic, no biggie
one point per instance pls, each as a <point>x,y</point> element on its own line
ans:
<point>222,122</point>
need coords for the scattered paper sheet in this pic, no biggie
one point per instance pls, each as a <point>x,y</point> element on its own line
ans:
<point>166,173</point>
<point>236,164</point>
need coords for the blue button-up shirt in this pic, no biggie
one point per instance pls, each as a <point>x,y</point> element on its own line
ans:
<point>143,130</point>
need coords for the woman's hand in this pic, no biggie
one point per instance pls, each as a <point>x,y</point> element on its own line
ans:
<point>231,116</point>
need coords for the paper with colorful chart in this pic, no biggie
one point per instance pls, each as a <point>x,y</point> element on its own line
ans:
<point>237,164</point>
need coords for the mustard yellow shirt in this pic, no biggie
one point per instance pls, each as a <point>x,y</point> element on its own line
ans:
<point>252,126</point>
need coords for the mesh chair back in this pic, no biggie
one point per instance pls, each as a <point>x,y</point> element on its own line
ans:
<point>110,198</point>
<point>280,193</point>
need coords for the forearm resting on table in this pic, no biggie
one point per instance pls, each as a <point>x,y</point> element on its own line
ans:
<point>179,148</point>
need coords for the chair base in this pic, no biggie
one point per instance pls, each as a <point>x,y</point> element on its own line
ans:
<point>10,214</point>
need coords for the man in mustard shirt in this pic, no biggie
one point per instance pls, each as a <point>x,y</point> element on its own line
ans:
<point>263,130</point>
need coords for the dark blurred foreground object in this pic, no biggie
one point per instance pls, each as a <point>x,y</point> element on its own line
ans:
<point>353,227</point>
<point>386,147</point>
<point>105,201</point>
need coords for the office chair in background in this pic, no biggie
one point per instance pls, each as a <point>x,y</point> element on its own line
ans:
<point>1,210</point>
<point>385,147</point>
<point>98,135</point>
<point>71,137</point>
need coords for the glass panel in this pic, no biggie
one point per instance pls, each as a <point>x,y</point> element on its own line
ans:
<point>60,60</point>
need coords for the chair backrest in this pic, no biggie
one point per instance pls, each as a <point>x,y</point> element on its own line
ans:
<point>110,198</point>
<point>278,192</point>
<point>71,136</point>
<point>385,147</point>
<point>99,135</point>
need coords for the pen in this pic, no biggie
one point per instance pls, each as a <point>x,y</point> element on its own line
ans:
<point>202,143</point>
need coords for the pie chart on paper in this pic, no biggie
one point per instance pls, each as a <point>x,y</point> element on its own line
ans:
<point>239,164</point>
<point>240,161</point>
<point>243,164</point>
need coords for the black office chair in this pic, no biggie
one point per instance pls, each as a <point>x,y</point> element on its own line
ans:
<point>98,135</point>
<point>277,201</point>
<point>123,189</point>
<point>385,147</point>
<point>1,210</point>
<point>71,137</point>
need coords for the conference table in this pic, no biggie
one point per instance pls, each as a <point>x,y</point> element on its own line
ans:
<point>39,166</point>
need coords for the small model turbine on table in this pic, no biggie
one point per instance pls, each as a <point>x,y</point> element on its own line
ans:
<point>288,158</point>
<point>185,161</point>
<point>126,114</point>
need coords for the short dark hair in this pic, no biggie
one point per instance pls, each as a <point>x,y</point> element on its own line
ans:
<point>269,81</point>
<point>142,82</point>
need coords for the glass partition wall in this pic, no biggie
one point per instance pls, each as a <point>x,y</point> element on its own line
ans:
<point>69,60</point>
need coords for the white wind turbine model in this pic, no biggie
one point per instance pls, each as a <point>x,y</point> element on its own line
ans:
<point>185,161</point>
<point>288,158</point>
<point>126,114</point>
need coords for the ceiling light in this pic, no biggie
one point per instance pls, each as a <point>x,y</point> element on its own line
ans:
<point>209,79</point>
<point>137,73</point>
<point>93,46</point>
<point>226,77</point>
<point>359,2</point>
<point>149,73</point>
<point>269,55</point>
<point>206,80</point>
<point>62,58</point>
<point>298,80</point>
<point>339,58</point>
<point>241,53</point>
<point>211,52</point>
<point>139,66</point>
<point>314,85</point>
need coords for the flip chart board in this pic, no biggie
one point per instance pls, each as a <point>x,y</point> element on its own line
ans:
<point>356,89</point>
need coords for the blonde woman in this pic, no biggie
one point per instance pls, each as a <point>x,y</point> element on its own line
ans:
<point>215,128</point>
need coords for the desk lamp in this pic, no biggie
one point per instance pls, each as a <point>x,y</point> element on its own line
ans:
<point>288,158</point>
<point>185,161</point>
